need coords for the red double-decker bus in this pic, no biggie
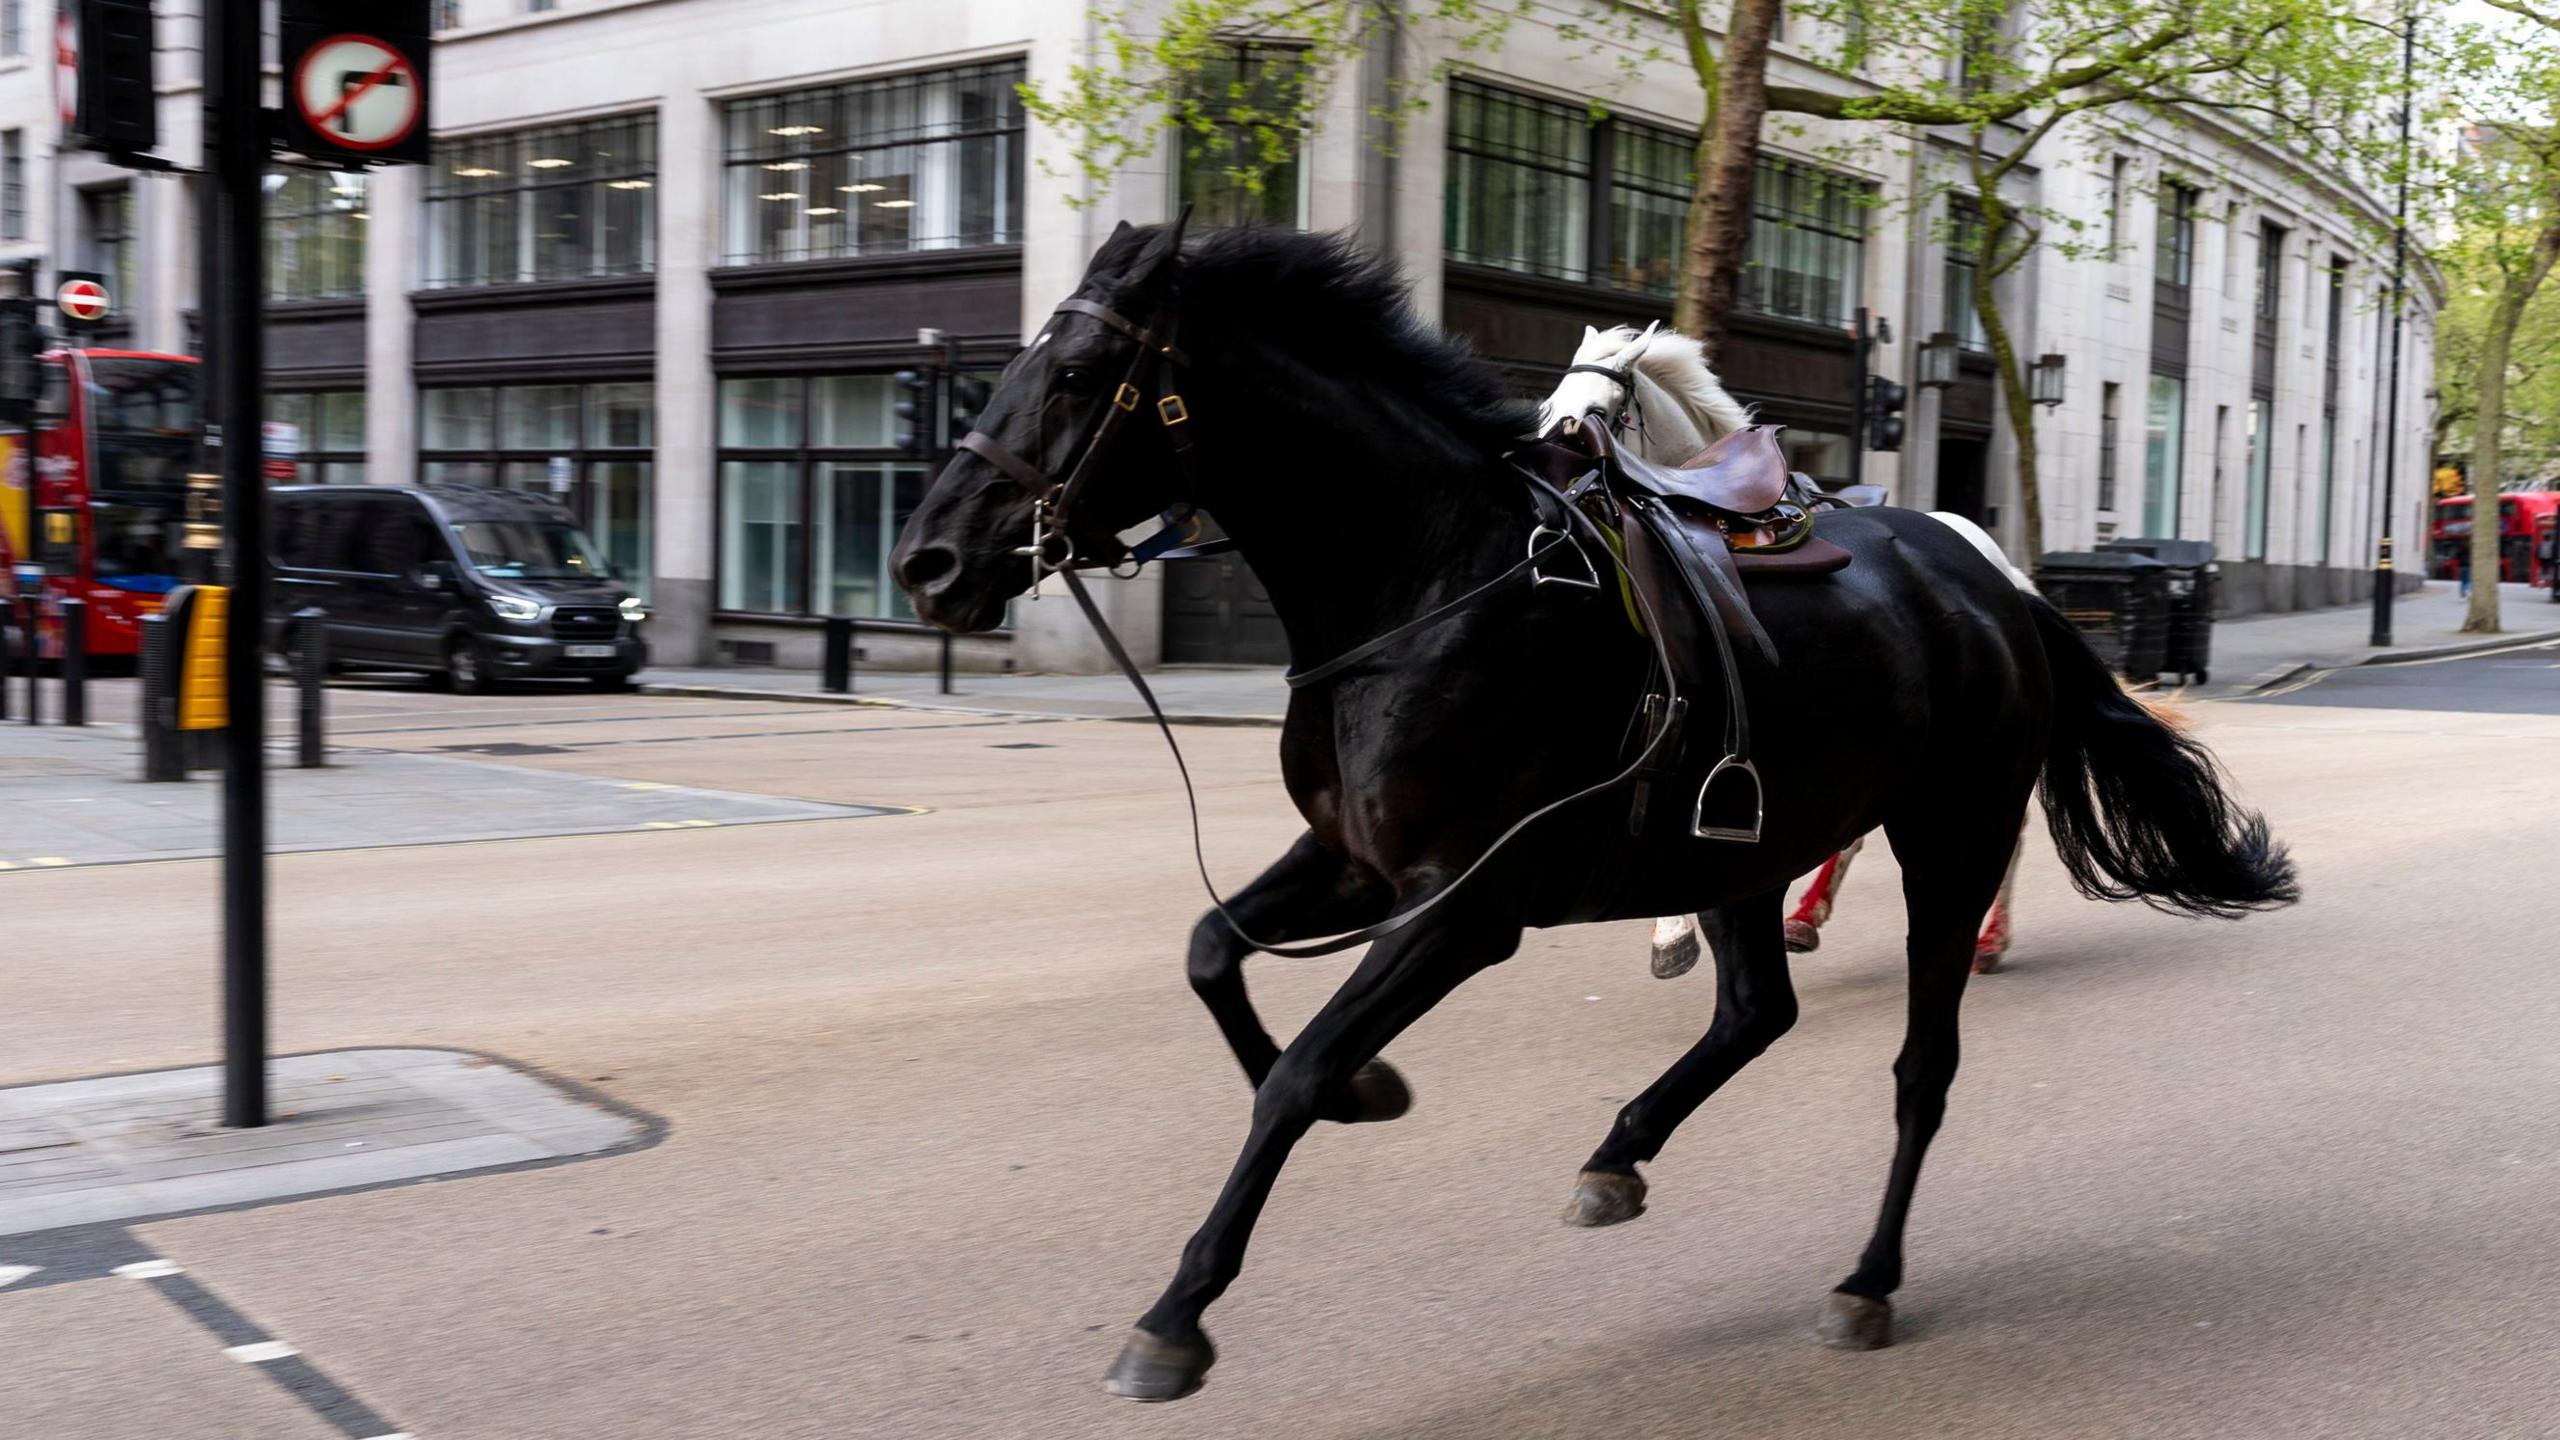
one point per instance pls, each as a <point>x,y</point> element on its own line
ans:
<point>2522,514</point>
<point>96,493</point>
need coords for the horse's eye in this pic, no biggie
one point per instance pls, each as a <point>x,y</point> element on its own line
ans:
<point>1073,379</point>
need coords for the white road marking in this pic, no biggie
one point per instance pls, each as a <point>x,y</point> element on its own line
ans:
<point>664,825</point>
<point>150,1269</point>
<point>7,865</point>
<point>49,861</point>
<point>261,1352</point>
<point>12,1274</point>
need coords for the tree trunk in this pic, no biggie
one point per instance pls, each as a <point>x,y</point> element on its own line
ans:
<point>2488,427</point>
<point>1720,205</point>
<point>2014,395</point>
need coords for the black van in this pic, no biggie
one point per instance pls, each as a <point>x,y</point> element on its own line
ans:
<point>473,584</point>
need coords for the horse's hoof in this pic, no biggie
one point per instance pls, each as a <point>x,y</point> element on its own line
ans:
<point>1604,1197</point>
<point>1151,1368</point>
<point>1376,1092</point>
<point>1989,962</point>
<point>1802,938</point>
<point>1676,959</point>
<point>1855,1322</point>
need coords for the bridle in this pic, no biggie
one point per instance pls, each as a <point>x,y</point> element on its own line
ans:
<point>1630,408</point>
<point>1056,549</point>
<point>1054,546</point>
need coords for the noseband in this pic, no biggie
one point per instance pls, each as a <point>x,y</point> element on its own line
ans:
<point>1054,546</point>
<point>1630,412</point>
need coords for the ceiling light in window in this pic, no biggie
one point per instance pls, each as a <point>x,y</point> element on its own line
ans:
<point>628,184</point>
<point>364,214</point>
<point>475,172</point>
<point>781,195</point>
<point>824,210</point>
<point>787,165</point>
<point>894,204</point>
<point>344,187</point>
<point>551,162</point>
<point>794,132</point>
<point>863,189</point>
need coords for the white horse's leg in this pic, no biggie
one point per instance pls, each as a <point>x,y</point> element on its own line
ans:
<point>1992,950</point>
<point>1804,928</point>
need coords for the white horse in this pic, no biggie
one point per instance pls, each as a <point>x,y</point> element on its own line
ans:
<point>1667,408</point>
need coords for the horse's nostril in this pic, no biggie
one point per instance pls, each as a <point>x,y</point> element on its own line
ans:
<point>922,566</point>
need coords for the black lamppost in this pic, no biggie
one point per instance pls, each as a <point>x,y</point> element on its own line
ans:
<point>2382,577</point>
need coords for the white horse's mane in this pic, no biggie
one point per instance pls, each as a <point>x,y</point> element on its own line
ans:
<point>1677,363</point>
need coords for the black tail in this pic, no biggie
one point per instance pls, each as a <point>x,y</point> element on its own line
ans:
<point>2137,809</point>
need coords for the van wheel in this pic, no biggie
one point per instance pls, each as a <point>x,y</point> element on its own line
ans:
<point>466,666</point>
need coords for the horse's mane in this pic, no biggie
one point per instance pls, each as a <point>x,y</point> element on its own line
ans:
<point>1350,314</point>
<point>1678,363</point>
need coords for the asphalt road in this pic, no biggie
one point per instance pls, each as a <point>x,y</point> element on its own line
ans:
<point>941,1111</point>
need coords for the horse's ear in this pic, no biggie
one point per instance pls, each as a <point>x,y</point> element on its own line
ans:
<point>1589,334</point>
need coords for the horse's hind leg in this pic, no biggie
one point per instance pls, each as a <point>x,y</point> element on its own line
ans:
<point>1948,881</point>
<point>1310,891</point>
<point>1755,1004</point>
<point>1402,976</point>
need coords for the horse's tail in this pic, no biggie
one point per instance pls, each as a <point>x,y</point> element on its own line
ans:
<point>2138,809</point>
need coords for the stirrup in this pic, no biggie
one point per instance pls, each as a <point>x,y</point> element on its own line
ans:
<point>1538,577</point>
<point>1698,826</point>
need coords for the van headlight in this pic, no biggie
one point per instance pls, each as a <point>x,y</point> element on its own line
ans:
<point>633,610</point>
<point>510,607</point>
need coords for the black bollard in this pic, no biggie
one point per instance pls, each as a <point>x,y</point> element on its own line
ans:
<point>836,659</point>
<point>946,662</point>
<point>161,759</point>
<point>311,681</point>
<point>32,657</point>
<point>75,662</point>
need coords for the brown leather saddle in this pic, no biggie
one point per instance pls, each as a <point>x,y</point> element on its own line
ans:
<point>1692,535</point>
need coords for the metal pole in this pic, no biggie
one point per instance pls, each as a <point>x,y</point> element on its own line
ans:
<point>946,662</point>
<point>1858,401</point>
<point>160,756</point>
<point>311,681</point>
<point>236,122</point>
<point>75,662</point>
<point>32,647</point>
<point>2382,577</point>
<point>835,658</point>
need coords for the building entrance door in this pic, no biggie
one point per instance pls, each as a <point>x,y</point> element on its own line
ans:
<point>1217,613</point>
<point>1960,477</point>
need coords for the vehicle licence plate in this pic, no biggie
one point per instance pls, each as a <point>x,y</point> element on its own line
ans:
<point>589,652</point>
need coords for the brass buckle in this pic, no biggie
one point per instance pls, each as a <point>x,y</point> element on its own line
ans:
<point>1172,411</point>
<point>1126,397</point>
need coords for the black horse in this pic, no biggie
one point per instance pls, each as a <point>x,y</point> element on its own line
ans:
<point>1281,382</point>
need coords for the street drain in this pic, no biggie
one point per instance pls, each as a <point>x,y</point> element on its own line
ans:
<point>507,748</point>
<point>1023,745</point>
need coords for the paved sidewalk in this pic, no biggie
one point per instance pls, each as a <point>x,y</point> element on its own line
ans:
<point>2263,649</point>
<point>2247,654</point>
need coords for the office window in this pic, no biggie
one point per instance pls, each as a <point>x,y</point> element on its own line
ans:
<point>13,27</point>
<point>2253,521</point>
<point>13,184</point>
<point>2270,306</point>
<point>447,15</point>
<point>1806,258</point>
<point>2116,166</point>
<point>537,7</point>
<point>590,447</point>
<point>1518,189</point>
<point>813,493</point>
<point>2107,438</point>
<point>106,227</point>
<point>2329,402</point>
<point>326,439</point>
<point>1213,151</point>
<point>876,167</point>
<point>1650,172</point>
<point>2163,439</point>
<point>2174,253</point>
<point>1963,255</point>
<point>563,202</point>
<point>316,224</point>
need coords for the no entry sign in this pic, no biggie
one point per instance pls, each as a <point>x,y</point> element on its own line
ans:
<point>83,299</point>
<point>359,92</point>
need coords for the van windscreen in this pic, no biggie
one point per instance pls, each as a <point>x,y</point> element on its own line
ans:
<point>530,550</point>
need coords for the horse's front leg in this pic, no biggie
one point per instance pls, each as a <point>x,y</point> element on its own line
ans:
<point>1309,892</point>
<point>1402,977</point>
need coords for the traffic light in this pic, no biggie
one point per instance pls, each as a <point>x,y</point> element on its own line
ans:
<point>21,370</point>
<point>104,63</point>
<point>968,401</point>
<point>1885,399</point>
<point>915,413</point>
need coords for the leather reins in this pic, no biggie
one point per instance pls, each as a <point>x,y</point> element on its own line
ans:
<point>1052,518</point>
